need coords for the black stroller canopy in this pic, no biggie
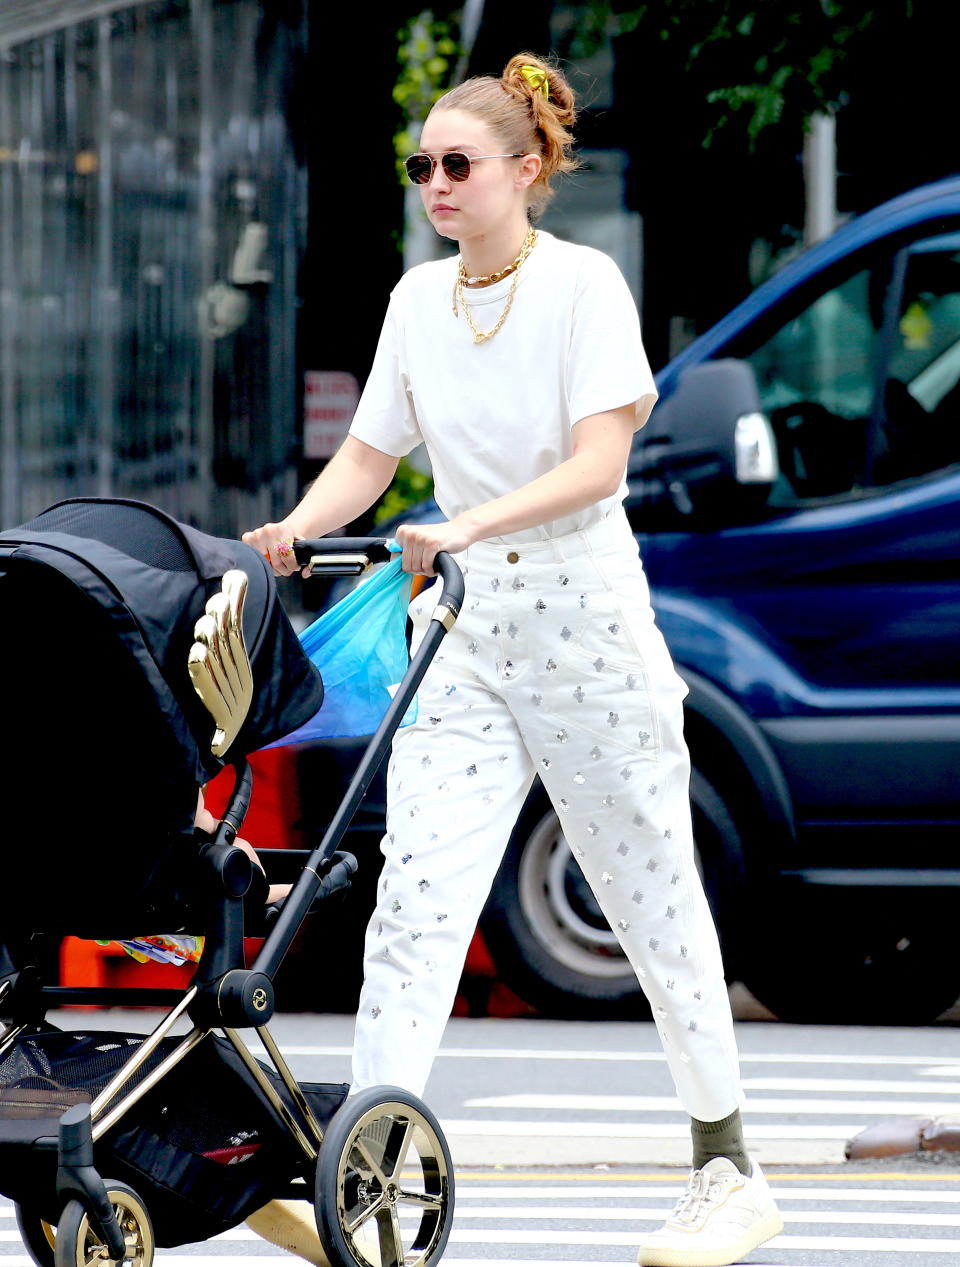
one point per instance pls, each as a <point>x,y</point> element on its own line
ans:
<point>153,575</point>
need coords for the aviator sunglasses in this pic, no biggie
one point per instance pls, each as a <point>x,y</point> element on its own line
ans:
<point>420,167</point>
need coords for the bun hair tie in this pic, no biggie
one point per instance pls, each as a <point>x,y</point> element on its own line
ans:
<point>537,79</point>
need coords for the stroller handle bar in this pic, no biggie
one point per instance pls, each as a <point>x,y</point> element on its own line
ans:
<point>342,556</point>
<point>352,556</point>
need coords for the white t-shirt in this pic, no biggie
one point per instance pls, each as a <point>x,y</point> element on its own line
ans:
<point>496,415</point>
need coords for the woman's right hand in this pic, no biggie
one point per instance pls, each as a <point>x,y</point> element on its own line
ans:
<point>275,543</point>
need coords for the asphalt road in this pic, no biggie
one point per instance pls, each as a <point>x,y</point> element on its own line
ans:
<point>568,1143</point>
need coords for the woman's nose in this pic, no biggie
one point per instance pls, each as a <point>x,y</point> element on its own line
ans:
<point>439,177</point>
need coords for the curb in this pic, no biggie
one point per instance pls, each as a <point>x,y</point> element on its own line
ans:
<point>906,1135</point>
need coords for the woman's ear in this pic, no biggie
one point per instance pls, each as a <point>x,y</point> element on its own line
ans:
<point>528,170</point>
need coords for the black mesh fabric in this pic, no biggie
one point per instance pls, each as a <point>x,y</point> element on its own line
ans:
<point>81,1061</point>
<point>146,537</point>
<point>202,1148</point>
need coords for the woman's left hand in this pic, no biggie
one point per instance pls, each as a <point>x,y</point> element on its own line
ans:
<point>422,541</point>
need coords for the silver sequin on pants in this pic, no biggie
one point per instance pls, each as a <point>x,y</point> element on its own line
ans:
<point>555,668</point>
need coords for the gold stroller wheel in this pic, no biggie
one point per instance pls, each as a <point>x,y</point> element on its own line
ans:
<point>79,1245</point>
<point>384,1194</point>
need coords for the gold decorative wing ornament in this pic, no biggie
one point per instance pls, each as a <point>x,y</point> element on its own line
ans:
<point>218,662</point>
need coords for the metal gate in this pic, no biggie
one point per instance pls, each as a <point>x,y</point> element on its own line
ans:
<point>152,218</point>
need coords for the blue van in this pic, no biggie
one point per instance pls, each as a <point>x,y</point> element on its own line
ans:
<point>796,496</point>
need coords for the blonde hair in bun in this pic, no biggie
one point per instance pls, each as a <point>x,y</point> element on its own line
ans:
<point>531,110</point>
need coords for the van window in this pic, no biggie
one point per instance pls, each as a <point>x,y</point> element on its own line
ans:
<point>920,417</point>
<point>816,376</point>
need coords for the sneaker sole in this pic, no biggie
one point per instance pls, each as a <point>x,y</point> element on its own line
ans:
<point>289,1225</point>
<point>756,1234</point>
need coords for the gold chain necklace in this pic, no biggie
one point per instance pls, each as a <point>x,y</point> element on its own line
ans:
<point>487,278</point>
<point>481,336</point>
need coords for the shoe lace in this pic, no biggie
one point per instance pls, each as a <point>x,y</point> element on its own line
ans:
<point>703,1192</point>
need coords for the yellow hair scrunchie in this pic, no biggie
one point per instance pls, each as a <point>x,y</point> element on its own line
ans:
<point>537,79</point>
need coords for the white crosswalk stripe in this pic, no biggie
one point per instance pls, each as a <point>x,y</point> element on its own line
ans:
<point>789,1118</point>
<point>807,1106</point>
<point>542,1220</point>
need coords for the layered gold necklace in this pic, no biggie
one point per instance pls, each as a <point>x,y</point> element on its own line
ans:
<point>459,298</point>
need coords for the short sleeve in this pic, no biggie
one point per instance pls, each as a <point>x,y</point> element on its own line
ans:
<point>607,365</point>
<point>385,418</point>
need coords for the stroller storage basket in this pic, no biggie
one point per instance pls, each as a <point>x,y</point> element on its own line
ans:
<point>203,1148</point>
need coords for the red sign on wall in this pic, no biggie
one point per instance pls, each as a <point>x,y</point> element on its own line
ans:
<point>329,403</point>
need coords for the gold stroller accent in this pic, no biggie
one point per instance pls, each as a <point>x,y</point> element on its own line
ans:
<point>218,662</point>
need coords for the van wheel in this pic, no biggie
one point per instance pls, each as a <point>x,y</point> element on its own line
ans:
<point>848,957</point>
<point>545,931</point>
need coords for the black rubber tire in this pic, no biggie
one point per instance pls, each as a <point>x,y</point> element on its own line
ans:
<point>37,1236</point>
<point>77,1242</point>
<point>855,957</point>
<point>397,1125</point>
<point>546,935</point>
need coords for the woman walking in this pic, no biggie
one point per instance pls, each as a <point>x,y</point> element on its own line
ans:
<point>520,365</point>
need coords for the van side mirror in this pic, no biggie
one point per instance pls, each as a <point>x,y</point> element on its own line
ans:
<point>708,445</point>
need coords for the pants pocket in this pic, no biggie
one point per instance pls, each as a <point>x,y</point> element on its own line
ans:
<point>611,700</point>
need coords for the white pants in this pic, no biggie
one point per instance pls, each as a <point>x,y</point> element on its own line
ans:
<point>555,668</point>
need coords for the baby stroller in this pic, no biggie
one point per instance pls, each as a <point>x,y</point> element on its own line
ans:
<point>141,657</point>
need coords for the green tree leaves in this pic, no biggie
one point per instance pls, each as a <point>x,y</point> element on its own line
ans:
<point>756,62</point>
<point>427,53</point>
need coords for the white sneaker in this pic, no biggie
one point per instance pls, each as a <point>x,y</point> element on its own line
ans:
<point>721,1216</point>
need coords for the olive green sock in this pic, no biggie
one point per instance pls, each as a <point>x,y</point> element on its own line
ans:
<point>720,1139</point>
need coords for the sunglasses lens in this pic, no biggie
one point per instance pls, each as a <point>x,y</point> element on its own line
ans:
<point>419,168</point>
<point>457,166</point>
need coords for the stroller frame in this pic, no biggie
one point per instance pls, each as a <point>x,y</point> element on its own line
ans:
<point>226,996</point>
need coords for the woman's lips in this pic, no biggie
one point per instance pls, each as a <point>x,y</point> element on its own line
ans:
<point>442,207</point>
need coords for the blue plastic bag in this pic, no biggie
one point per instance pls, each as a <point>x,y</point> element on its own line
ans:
<point>360,647</point>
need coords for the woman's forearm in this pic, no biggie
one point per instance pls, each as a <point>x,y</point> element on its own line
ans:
<point>354,478</point>
<point>561,492</point>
